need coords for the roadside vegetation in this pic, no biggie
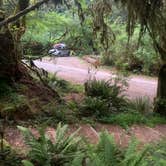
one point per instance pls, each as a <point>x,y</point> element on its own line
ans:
<point>65,150</point>
<point>33,100</point>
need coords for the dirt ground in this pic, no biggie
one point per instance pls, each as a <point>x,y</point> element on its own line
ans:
<point>122,137</point>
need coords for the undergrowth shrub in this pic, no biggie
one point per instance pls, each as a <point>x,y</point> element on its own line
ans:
<point>109,92</point>
<point>62,85</point>
<point>69,150</point>
<point>160,104</point>
<point>52,116</point>
<point>5,89</point>
<point>112,88</point>
<point>157,154</point>
<point>141,104</point>
<point>15,104</point>
<point>124,119</point>
<point>95,107</point>
<point>107,60</point>
<point>131,57</point>
<point>129,118</point>
<point>8,156</point>
<point>107,153</point>
<point>57,83</point>
<point>98,88</point>
<point>45,151</point>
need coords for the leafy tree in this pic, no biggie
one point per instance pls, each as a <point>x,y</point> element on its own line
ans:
<point>12,27</point>
<point>151,15</point>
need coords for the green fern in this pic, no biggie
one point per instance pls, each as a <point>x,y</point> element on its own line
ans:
<point>106,153</point>
<point>134,157</point>
<point>141,104</point>
<point>46,152</point>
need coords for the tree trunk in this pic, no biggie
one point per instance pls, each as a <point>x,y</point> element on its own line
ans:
<point>9,59</point>
<point>160,106</point>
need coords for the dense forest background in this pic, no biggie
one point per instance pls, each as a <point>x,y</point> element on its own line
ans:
<point>49,25</point>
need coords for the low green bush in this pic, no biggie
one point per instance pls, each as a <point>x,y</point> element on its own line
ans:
<point>108,93</point>
<point>160,104</point>
<point>8,156</point>
<point>95,107</point>
<point>107,153</point>
<point>13,105</point>
<point>98,88</point>
<point>5,89</point>
<point>126,119</point>
<point>57,83</point>
<point>69,151</point>
<point>141,104</point>
<point>45,151</point>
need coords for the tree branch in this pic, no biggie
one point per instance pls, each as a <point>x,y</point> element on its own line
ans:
<point>22,13</point>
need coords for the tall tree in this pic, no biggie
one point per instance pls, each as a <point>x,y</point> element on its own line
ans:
<point>9,51</point>
<point>12,27</point>
<point>151,15</point>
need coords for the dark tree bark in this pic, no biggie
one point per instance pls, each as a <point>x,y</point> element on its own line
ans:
<point>9,62</point>
<point>10,58</point>
<point>161,91</point>
<point>160,105</point>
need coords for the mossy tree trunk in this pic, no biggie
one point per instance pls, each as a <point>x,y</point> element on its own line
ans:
<point>10,57</point>
<point>160,106</point>
<point>9,60</point>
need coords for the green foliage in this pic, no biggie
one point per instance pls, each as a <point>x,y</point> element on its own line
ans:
<point>5,89</point>
<point>126,119</point>
<point>98,88</point>
<point>47,152</point>
<point>27,163</point>
<point>95,107</point>
<point>157,154</point>
<point>141,104</point>
<point>160,104</point>
<point>57,83</point>
<point>106,89</point>
<point>111,91</point>
<point>14,103</point>
<point>69,150</point>
<point>130,56</point>
<point>133,157</point>
<point>9,157</point>
<point>47,28</point>
<point>105,153</point>
<point>61,85</point>
<point>107,60</point>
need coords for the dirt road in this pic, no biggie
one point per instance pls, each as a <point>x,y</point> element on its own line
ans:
<point>76,70</point>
